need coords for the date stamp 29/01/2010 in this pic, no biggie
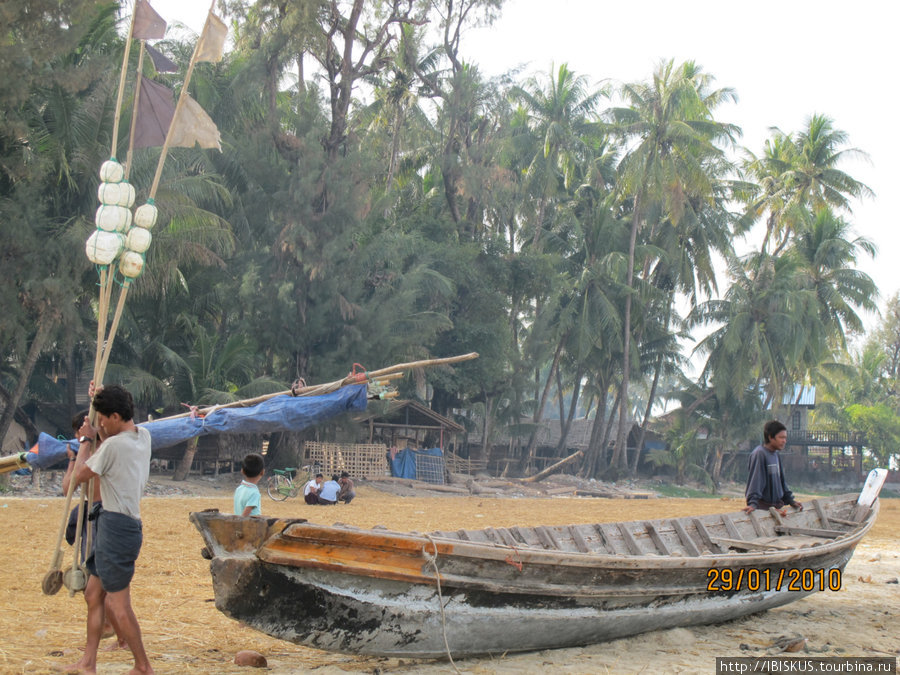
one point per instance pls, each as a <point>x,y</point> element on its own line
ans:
<point>727,580</point>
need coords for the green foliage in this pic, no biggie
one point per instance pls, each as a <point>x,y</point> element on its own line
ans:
<point>427,213</point>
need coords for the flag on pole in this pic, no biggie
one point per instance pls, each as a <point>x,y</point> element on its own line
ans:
<point>156,108</point>
<point>161,62</point>
<point>212,40</point>
<point>193,126</point>
<point>148,25</point>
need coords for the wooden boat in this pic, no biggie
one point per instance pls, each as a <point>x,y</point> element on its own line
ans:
<point>496,590</point>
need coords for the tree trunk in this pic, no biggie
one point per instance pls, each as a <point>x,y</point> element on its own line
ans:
<point>621,438</point>
<point>44,326</point>
<point>184,465</point>
<point>539,413</point>
<point>564,430</point>
<point>643,432</point>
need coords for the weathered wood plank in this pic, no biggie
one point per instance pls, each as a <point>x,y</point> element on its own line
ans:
<point>704,535</point>
<point>462,535</point>
<point>746,545</point>
<point>757,526</point>
<point>809,532</point>
<point>546,539</point>
<point>493,536</point>
<point>842,521</point>
<point>630,541</point>
<point>776,515</point>
<point>579,540</point>
<point>551,536</point>
<point>820,511</point>
<point>685,538</point>
<point>507,538</point>
<point>609,538</point>
<point>657,539</point>
<point>526,535</point>
<point>733,532</point>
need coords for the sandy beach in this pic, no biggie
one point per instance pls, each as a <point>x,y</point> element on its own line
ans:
<point>183,631</point>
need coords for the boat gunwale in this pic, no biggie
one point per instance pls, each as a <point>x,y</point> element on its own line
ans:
<point>422,545</point>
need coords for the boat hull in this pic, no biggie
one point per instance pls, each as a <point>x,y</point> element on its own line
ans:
<point>397,594</point>
<point>325,610</point>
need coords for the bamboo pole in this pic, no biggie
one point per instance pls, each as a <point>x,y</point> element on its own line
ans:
<point>134,110</point>
<point>100,370</point>
<point>13,462</point>
<point>328,387</point>
<point>182,97</point>
<point>121,92</point>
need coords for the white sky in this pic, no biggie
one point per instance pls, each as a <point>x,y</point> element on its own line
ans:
<point>785,59</point>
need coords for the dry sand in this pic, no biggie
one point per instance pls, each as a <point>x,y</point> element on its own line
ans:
<point>184,633</point>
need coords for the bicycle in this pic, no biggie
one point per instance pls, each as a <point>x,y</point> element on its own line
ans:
<point>285,484</point>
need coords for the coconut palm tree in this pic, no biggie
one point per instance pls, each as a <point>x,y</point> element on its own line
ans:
<point>828,256</point>
<point>561,117</point>
<point>669,125</point>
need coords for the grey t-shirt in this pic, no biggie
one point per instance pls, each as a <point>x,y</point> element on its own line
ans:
<point>123,464</point>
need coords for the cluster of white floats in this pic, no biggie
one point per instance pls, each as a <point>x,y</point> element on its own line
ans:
<point>116,230</point>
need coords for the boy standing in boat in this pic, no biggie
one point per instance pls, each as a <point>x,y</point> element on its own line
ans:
<point>122,464</point>
<point>766,485</point>
<point>246,495</point>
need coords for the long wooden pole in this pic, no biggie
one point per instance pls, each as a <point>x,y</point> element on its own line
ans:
<point>315,390</point>
<point>100,371</point>
<point>178,106</point>
<point>134,109</point>
<point>121,92</point>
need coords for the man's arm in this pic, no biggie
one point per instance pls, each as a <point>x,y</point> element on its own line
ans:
<point>87,437</point>
<point>756,481</point>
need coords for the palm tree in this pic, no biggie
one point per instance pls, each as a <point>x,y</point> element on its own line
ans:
<point>828,257</point>
<point>560,110</point>
<point>764,328</point>
<point>800,171</point>
<point>669,122</point>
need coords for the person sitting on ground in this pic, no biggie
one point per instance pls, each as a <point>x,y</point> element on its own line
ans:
<point>329,493</point>
<point>246,495</point>
<point>766,486</point>
<point>311,489</point>
<point>347,492</point>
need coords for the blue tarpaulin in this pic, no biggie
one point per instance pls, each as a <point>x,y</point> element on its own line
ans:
<point>280,413</point>
<point>50,450</point>
<point>405,462</point>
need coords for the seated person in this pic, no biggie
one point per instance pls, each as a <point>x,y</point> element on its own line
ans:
<point>329,492</point>
<point>347,492</point>
<point>311,490</point>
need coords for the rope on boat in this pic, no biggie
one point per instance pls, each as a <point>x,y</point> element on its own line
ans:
<point>437,577</point>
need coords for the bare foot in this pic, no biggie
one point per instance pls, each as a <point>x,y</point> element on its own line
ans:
<point>79,668</point>
<point>137,671</point>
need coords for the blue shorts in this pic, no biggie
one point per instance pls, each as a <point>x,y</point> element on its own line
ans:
<point>119,539</point>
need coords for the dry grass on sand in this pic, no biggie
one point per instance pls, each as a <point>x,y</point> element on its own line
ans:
<point>183,632</point>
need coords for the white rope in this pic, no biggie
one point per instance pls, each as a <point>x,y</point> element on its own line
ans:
<point>437,577</point>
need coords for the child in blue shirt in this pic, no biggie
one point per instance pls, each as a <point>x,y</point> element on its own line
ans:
<point>246,496</point>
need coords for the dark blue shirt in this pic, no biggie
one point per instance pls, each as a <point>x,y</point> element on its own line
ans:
<point>766,480</point>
